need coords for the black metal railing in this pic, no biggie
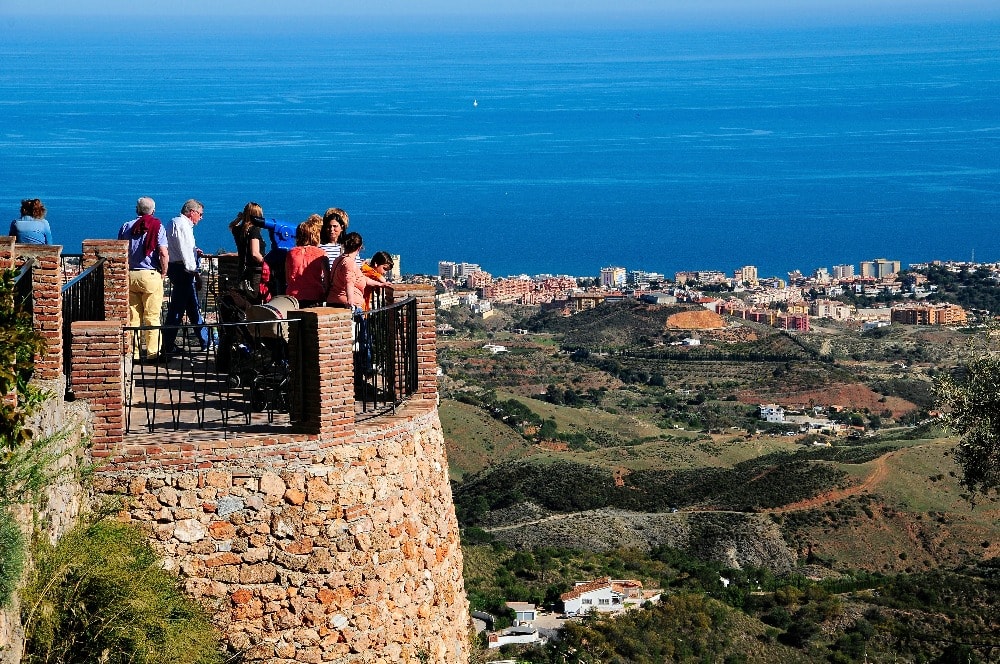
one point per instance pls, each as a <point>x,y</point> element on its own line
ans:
<point>207,288</point>
<point>241,382</point>
<point>82,299</point>
<point>385,357</point>
<point>24,299</point>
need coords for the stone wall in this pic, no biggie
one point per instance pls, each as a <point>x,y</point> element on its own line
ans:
<point>349,556</point>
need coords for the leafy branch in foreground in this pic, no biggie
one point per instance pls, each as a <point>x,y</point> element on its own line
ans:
<point>19,343</point>
<point>972,402</point>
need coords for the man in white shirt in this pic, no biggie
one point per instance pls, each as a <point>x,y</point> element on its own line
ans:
<point>183,274</point>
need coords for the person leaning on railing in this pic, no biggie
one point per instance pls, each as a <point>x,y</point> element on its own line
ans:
<point>306,268</point>
<point>347,281</point>
<point>375,270</point>
<point>147,267</point>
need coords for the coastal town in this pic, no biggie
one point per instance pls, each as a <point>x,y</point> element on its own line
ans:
<point>872,294</point>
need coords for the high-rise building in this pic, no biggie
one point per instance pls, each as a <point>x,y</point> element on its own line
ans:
<point>396,273</point>
<point>746,274</point>
<point>879,268</point>
<point>612,277</point>
<point>843,271</point>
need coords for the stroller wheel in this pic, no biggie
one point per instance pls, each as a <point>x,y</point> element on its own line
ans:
<point>234,380</point>
<point>258,400</point>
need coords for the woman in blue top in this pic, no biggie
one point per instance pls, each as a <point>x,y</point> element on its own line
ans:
<point>31,228</point>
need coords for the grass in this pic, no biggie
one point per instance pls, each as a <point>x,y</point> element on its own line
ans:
<point>476,440</point>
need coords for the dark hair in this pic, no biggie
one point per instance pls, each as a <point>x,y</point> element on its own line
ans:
<point>381,258</point>
<point>352,242</point>
<point>32,207</point>
<point>326,234</point>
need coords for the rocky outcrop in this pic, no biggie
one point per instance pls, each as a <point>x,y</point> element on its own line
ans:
<point>735,539</point>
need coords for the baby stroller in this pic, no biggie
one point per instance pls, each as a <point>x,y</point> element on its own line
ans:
<point>253,350</point>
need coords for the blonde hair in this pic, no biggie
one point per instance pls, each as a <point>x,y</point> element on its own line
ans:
<point>307,233</point>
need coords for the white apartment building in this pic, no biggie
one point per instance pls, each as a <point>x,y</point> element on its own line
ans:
<point>831,309</point>
<point>843,271</point>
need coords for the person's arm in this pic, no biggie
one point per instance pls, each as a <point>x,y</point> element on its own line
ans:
<point>48,233</point>
<point>355,295</point>
<point>13,228</point>
<point>164,259</point>
<point>255,251</point>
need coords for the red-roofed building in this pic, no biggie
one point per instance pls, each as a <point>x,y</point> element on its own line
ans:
<point>606,595</point>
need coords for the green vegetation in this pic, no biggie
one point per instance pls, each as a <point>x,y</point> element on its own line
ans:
<point>12,555</point>
<point>882,517</point>
<point>101,595</point>
<point>763,482</point>
<point>973,402</point>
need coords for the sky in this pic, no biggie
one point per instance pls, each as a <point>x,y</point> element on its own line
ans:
<point>675,12</point>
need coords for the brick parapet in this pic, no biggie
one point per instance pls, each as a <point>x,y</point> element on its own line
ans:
<point>326,365</point>
<point>46,286</point>
<point>97,377</point>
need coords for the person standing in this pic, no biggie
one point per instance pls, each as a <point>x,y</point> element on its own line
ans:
<point>183,273</point>
<point>32,227</point>
<point>147,267</point>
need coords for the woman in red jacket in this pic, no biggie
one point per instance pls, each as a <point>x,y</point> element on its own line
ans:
<point>307,274</point>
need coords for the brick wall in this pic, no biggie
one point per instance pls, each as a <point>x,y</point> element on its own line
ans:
<point>46,285</point>
<point>97,377</point>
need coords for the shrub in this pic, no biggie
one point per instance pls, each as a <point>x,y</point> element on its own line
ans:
<point>101,595</point>
<point>11,556</point>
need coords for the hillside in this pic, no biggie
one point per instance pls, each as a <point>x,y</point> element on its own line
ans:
<point>611,444</point>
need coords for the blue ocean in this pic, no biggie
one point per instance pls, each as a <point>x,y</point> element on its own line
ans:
<point>526,151</point>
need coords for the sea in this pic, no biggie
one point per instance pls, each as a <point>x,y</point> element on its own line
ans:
<point>525,150</point>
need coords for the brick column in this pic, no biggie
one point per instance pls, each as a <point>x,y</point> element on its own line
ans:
<point>323,372</point>
<point>115,253</point>
<point>98,378</point>
<point>426,337</point>
<point>46,286</point>
<point>6,252</point>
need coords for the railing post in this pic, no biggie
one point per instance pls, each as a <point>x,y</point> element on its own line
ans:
<point>98,378</point>
<point>426,337</point>
<point>323,400</point>
<point>46,286</point>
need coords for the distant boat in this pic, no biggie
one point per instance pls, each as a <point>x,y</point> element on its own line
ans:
<point>475,103</point>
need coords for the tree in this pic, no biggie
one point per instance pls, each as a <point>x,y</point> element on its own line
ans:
<point>972,402</point>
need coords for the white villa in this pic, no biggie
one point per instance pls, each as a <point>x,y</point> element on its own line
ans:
<point>606,595</point>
